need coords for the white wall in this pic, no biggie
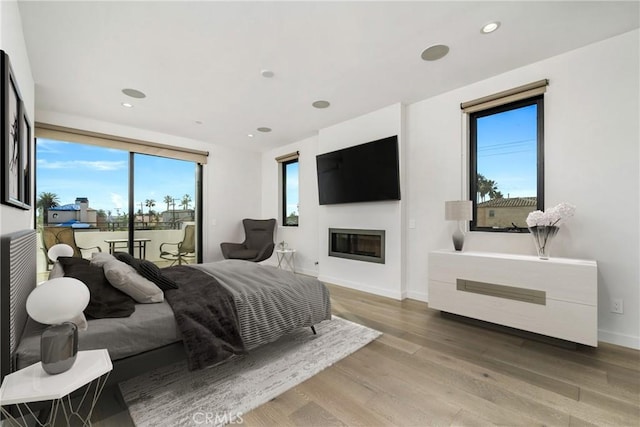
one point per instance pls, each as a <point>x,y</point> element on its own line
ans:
<point>383,279</point>
<point>591,160</point>
<point>231,179</point>
<point>304,237</point>
<point>12,42</point>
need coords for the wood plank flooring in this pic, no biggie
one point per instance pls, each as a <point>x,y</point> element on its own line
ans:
<point>430,371</point>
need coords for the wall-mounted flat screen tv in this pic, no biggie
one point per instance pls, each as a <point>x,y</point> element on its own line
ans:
<point>362,173</point>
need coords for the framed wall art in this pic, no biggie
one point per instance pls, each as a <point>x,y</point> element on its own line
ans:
<point>25,151</point>
<point>15,133</point>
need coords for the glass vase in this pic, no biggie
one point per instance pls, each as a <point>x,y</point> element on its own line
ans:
<point>543,237</point>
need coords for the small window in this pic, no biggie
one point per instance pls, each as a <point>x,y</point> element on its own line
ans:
<point>506,164</point>
<point>290,192</point>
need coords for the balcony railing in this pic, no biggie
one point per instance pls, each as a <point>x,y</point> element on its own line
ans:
<point>91,237</point>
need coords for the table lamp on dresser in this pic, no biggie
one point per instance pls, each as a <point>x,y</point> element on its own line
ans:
<point>458,210</point>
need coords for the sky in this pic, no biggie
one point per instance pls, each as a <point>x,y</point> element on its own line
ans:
<point>101,174</point>
<point>507,150</point>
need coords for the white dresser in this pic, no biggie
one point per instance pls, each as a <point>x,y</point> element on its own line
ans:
<point>557,297</point>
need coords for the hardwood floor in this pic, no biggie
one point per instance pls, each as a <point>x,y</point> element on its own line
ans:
<point>427,370</point>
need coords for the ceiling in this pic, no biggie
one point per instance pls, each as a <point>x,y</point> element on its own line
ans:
<point>200,63</point>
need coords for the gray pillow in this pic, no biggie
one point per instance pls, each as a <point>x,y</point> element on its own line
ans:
<point>149,270</point>
<point>125,278</point>
<point>56,271</point>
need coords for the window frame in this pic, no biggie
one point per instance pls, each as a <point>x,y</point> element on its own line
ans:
<point>537,100</point>
<point>283,207</point>
<point>101,140</point>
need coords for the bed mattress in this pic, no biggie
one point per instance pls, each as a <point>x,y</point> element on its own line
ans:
<point>150,326</point>
<point>270,303</point>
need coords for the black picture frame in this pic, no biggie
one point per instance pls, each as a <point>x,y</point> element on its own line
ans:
<point>25,147</point>
<point>15,133</point>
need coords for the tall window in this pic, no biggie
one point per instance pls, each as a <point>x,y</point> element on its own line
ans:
<point>506,164</point>
<point>290,193</point>
<point>109,199</point>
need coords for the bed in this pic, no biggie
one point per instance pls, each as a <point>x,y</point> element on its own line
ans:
<point>269,303</point>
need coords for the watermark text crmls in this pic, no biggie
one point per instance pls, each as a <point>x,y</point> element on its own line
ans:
<point>217,418</point>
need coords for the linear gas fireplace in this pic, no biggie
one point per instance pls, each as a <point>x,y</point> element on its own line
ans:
<point>361,245</point>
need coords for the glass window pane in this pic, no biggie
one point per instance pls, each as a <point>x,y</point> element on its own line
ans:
<point>83,191</point>
<point>507,167</point>
<point>164,206</point>
<point>290,199</point>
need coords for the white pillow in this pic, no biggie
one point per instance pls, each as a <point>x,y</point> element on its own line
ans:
<point>80,321</point>
<point>124,277</point>
<point>101,258</point>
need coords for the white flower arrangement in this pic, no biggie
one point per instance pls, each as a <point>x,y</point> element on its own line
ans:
<point>552,216</point>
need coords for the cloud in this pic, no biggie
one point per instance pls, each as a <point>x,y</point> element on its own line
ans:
<point>50,146</point>
<point>118,201</point>
<point>99,165</point>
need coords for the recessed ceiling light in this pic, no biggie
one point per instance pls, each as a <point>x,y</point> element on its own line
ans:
<point>321,104</point>
<point>134,93</point>
<point>126,104</point>
<point>435,52</point>
<point>250,135</point>
<point>267,73</point>
<point>264,129</point>
<point>490,27</point>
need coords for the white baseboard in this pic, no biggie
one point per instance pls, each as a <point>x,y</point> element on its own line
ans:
<point>362,287</point>
<point>619,339</point>
<point>418,296</point>
<point>305,271</point>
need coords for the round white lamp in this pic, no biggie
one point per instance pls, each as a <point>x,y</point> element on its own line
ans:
<point>54,303</point>
<point>61,249</point>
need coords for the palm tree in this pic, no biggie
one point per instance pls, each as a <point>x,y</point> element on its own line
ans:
<point>45,202</point>
<point>494,193</point>
<point>186,199</point>
<point>481,186</point>
<point>149,203</point>
<point>487,187</point>
<point>168,200</point>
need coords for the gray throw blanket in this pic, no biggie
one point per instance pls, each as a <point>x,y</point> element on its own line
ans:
<point>206,316</point>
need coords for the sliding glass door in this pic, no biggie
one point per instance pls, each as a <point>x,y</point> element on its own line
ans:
<point>165,209</point>
<point>99,198</point>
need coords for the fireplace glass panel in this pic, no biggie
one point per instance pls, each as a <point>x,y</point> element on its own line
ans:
<point>362,245</point>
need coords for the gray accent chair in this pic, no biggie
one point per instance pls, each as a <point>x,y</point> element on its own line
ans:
<point>258,243</point>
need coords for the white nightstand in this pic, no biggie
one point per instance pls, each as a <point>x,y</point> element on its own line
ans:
<point>286,255</point>
<point>33,384</point>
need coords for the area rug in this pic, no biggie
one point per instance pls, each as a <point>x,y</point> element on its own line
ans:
<point>173,396</point>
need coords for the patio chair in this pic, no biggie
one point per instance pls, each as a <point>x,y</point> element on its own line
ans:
<point>258,243</point>
<point>54,235</point>
<point>184,250</point>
